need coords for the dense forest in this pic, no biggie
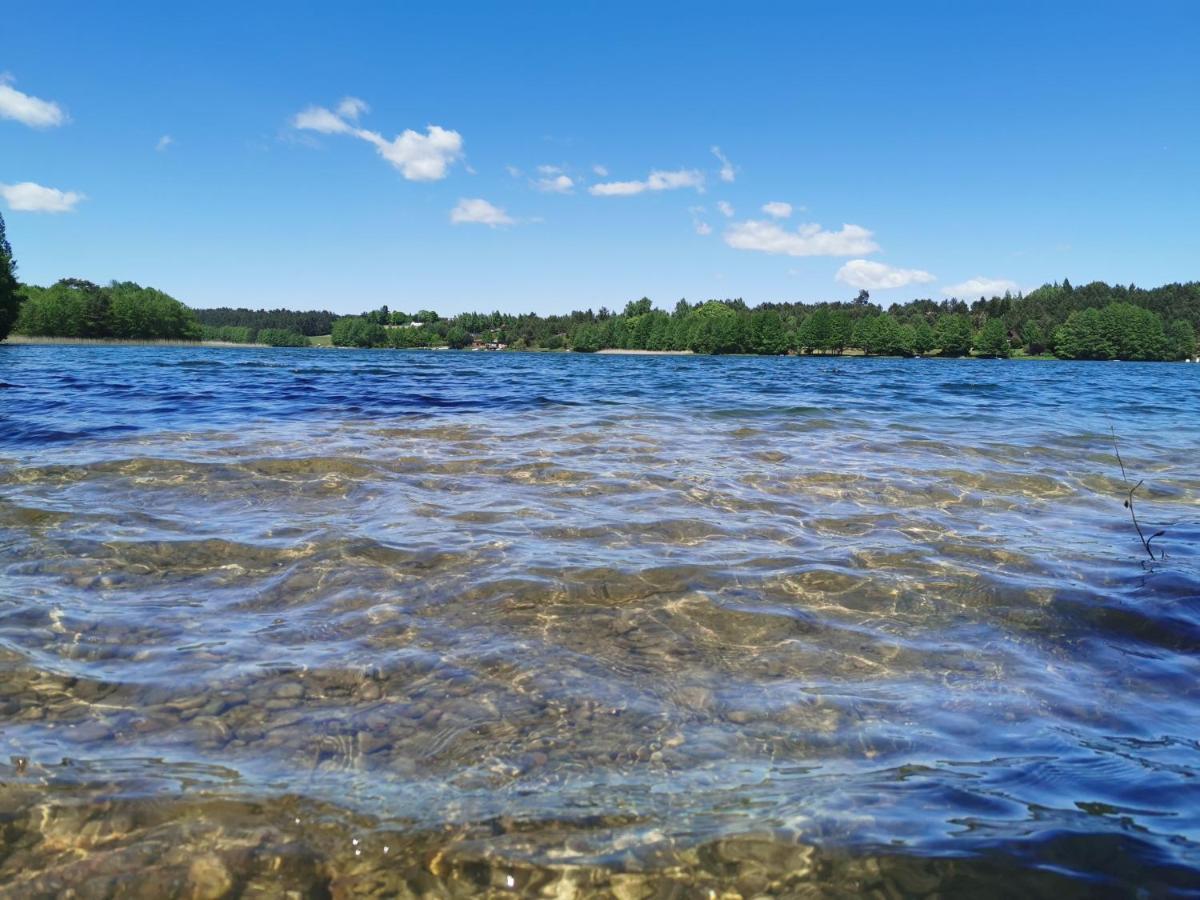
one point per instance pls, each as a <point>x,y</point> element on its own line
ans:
<point>309,323</point>
<point>10,298</point>
<point>76,308</point>
<point>1096,321</point>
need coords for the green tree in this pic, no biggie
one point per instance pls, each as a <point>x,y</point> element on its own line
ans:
<point>1133,332</point>
<point>585,339</point>
<point>923,339</point>
<point>1181,339</point>
<point>992,340</point>
<point>1083,336</point>
<point>68,308</point>
<point>638,307</point>
<point>713,328</point>
<point>148,314</point>
<point>1032,337</point>
<point>457,338</point>
<point>816,331</point>
<point>862,336</point>
<point>355,331</point>
<point>279,337</point>
<point>841,329</point>
<point>10,297</point>
<point>953,334</point>
<point>766,333</point>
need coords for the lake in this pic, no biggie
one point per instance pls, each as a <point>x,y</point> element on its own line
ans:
<point>382,623</point>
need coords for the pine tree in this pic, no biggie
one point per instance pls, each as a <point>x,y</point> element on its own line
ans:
<point>10,300</point>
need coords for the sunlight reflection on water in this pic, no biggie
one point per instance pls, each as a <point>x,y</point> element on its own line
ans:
<point>555,623</point>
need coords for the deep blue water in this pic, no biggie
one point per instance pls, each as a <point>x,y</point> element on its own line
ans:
<point>563,620</point>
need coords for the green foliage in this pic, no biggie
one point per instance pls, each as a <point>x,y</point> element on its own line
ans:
<point>953,335</point>
<point>816,331</point>
<point>353,331</point>
<point>586,340</point>
<point>992,340</point>
<point>767,335</point>
<point>309,322</point>
<point>10,297</point>
<point>1032,337</point>
<point>883,335</point>
<point>714,328</point>
<point>1118,331</point>
<point>991,326</point>
<point>1181,340</point>
<point>76,308</point>
<point>279,337</point>
<point>230,334</point>
<point>923,340</point>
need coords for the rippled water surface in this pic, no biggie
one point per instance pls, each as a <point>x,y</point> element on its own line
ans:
<point>340,624</point>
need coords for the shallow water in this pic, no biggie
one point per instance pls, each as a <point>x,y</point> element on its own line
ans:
<point>379,623</point>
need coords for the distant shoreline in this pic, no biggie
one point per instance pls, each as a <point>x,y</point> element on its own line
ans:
<point>612,351</point>
<point>27,340</point>
<point>128,342</point>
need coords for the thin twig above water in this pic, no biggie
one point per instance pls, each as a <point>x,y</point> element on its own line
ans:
<point>1129,502</point>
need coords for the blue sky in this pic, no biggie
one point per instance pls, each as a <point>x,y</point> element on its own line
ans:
<point>256,153</point>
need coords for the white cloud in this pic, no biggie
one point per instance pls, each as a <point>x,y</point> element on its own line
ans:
<point>807,240</point>
<point>703,228</point>
<point>617,188</point>
<point>352,108</point>
<point>979,286</point>
<point>479,212</point>
<point>777,209</point>
<point>726,208</point>
<point>863,273</point>
<point>164,142</point>
<point>658,180</point>
<point>600,170</point>
<point>513,171</point>
<point>31,111</point>
<point>727,170</point>
<point>553,180</point>
<point>318,118</point>
<point>419,157</point>
<point>30,197</point>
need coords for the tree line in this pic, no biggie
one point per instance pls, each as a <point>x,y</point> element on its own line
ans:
<point>306,322</point>
<point>77,308</point>
<point>1097,321</point>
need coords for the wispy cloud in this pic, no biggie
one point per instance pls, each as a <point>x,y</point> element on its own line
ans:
<point>806,240</point>
<point>863,273</point>
<point>701,227</point>
<point>726,208</point>
<point>477,211</point>
<point>419,157</point>
<point>777,209</point>
<point>30,197</point>
<point>351,108</point>
<point>727,173</point>
<point>658,180</point>
<point>601,171</point>
<point>553,180</point>
<point>980,286</point>
<point>26,109</point>
<point>164,142</point>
